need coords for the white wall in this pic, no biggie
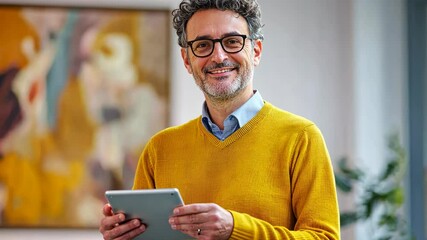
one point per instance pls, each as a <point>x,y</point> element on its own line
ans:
<point>380,84</point>
<point>338,63</point>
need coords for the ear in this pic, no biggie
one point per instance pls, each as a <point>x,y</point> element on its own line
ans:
<point>186,60</point>
<point>257,51</point>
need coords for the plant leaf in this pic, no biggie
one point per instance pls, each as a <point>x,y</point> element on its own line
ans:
<point>347,218</point>
<point>343,183</point>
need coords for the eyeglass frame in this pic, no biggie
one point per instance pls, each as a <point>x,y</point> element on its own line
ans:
<point>244,36</point>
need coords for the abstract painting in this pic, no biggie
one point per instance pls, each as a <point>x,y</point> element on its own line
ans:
<point>81,91</point>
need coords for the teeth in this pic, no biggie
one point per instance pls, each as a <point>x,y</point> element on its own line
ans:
<point>221,71</point>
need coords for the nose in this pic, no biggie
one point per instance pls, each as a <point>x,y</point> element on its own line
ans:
<point>218,54</point>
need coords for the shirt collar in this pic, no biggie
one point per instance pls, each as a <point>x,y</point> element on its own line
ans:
<point>243,114</point>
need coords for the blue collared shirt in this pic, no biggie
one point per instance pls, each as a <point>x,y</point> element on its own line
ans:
<point>236,119</point>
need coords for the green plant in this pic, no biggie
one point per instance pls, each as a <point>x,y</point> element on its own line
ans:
<point>380,197</point>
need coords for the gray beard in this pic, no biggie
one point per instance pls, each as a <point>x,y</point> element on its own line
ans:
<point>224,94</point>
<point>217,92</point>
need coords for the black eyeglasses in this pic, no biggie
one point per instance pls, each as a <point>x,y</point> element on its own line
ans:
<point>204,47</point>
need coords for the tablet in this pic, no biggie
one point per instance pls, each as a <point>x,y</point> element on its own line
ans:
<point>153,207</point>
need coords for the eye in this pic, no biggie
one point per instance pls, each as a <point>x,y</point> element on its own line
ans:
<point>201,45</point>
<point>233,41</point>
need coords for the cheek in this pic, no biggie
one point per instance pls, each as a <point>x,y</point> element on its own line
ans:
<point>246,62</point>
<point>248,58</point>
<point>197,64</point>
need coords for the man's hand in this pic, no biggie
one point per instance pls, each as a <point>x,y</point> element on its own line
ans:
<point>112,226</point>
<point>203,221</point>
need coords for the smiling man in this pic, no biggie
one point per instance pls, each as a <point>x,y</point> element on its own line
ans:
<point>246,169</point>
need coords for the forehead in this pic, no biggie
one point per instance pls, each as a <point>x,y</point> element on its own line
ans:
<point>215,23</point>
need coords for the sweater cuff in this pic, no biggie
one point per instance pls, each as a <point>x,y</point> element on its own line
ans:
<point>242,228</point>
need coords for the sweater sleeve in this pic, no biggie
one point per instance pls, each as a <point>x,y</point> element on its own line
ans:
<point>144,171</point>
<point>314,199</point>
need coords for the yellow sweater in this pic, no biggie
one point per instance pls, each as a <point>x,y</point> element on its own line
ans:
<point>274,174</point>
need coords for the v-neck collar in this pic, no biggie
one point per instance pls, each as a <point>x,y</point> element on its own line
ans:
<point>265,110</point>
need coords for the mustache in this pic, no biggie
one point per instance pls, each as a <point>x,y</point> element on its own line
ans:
<point>220,65</point>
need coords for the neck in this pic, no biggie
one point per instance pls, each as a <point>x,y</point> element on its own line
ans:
<point>219,110</point>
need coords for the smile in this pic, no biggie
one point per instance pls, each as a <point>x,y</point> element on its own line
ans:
<point>219,71</point>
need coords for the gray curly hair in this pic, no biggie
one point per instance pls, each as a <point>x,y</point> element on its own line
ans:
<point>249,9</point>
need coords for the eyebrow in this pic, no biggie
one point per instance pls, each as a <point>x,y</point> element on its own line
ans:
<point>204,37</point>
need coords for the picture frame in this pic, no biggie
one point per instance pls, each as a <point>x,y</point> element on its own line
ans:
<point>88,86</point>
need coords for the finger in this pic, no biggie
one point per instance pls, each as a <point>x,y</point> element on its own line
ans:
<point>107,210</point>
<point>198,233</point>
<point>191,219</point>
<point>192,229</point>
<point>109,222</point>
<point>191,209</point>
<point>127,230</point>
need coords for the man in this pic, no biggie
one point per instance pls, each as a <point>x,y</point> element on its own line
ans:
<point>246,169</point>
